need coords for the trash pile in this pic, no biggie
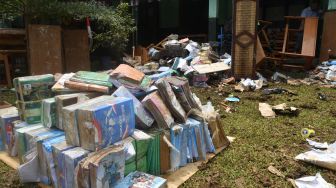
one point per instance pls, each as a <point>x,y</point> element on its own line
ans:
<point>324,75</point>
<point>182,57</point>
<point>107,129</point>
<point>269,111</point>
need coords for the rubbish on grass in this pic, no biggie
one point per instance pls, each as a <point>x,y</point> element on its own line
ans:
<point>322,96</point>
<point>275,171</point>
<point>316,181</point>
<point>266,110</point>
<point>282,109</point>
<point>232,98</point>
<point>318,145</point>
<point>249,85</point>
<point>307,133</point>
<point>278,77</point>
<point>324,158</point>
<point>230,80</point>
<point>277,91</point>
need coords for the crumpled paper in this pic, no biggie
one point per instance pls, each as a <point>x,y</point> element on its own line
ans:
<point>316,181</point>
<point>249,85</point>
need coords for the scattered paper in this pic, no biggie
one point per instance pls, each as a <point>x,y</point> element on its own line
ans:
<point>323,158</point>
<point>266,110</point>
<point>275,171</point>
<point>313,182</point>
<point>318,145</point>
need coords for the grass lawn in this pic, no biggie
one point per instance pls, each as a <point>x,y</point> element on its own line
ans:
<point>263,142</point>
<point>259,142</point>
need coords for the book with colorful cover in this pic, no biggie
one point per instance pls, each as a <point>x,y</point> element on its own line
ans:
<point>141,179</point>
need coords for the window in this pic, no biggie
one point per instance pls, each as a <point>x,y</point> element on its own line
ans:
<point>332,5</point>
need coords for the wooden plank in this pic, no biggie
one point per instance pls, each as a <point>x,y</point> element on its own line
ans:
<point>244,38</point>
<point>293,54</point>
<point>13,162</point>
<point>45,49</point>
<point>8,73</point>
<point>4,58</point>
<point>178,177</point>
<point>328,36</point>
<point>210,68</point>
<point>285,38</point>
<point>260,52</point>
<point>76,50</point>
<point>12,51</point>
<point>310,36</point>
<point>12,31</point>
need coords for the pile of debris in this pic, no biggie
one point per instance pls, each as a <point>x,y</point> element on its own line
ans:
<point>91,129</point>
<point>324,75</point>
<point>182,57</point>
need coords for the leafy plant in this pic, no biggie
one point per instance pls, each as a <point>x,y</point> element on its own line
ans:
<point>112,25</point>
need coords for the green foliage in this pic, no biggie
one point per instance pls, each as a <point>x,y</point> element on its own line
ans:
<point>113,25</point>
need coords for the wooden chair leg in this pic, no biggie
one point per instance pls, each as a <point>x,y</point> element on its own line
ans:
<point>8,76</point>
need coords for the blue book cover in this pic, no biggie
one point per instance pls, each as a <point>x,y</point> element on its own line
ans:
<point>144,119</point>
<point>5,121</point>
<point>141,179</point>
<point>50,177</point>
<point>103,125</point>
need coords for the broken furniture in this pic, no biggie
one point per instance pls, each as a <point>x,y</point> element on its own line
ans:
<point>261,56</point>
<point>12,41</point>
<point>308,43</point>
<point>262,33</point>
